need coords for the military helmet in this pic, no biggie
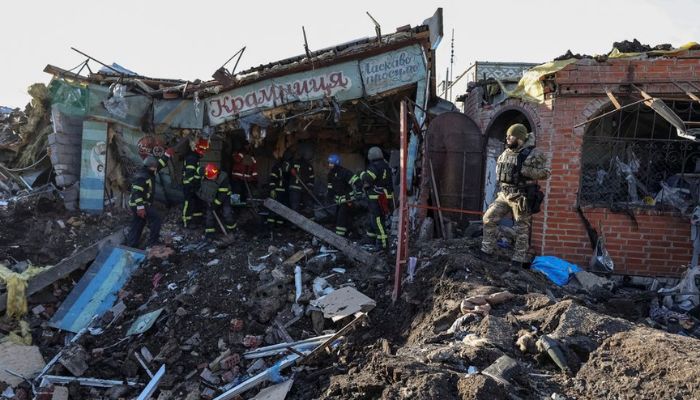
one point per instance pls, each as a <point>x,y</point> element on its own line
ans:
<point>375,153</point>
<point>518,131</point>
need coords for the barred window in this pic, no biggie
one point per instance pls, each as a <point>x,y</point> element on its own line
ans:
<point>634,159</point>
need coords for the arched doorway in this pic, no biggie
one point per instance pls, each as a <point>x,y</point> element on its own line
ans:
<point>455,146</point>
<point>495,139</point>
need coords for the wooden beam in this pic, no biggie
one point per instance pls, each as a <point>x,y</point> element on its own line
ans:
<point>354,253</point>
<point>68,265</point>
<point>613,99</point>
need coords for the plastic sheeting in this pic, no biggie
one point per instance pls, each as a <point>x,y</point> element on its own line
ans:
<point>16,286</point>
<point>530,85</point>
<point>556,269</point>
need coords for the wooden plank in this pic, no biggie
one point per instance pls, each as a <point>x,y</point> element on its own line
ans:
<point>354,253</point>
<point>296,257</point>
<point>613,99</point>
<point>68,265</point>
<point>359,317</point>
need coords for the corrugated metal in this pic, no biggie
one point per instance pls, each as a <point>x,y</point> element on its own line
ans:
<point>92,166</point>
<point>455,147</point>
<point>97,290</point>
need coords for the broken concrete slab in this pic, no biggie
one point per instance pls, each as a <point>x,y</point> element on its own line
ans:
<point>343,303</point>
<point>275,392</point>
<point>354,253</point>
<point>75,360</point>
<point>23,360</point>
<point>594,284</point>
<point>60,393</point>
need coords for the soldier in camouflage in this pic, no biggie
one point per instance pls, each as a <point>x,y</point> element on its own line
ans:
<point>518,168</point>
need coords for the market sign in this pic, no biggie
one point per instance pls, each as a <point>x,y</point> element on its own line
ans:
<point>392,70</point>
<point>341,81</point>
<point>345,81</point>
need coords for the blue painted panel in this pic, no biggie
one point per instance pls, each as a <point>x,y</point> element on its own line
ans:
<point>341,81</point>
<point>97,290</point>
<point>178,113</point>
<point>92,166</point>
<point>136,107</point>
<point>393,69</point>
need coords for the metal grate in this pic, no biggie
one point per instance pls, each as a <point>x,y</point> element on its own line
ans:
<point>635,159</point>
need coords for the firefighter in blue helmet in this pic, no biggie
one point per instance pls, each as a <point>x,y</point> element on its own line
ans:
<point>141,200</point>
<point>340,191</point>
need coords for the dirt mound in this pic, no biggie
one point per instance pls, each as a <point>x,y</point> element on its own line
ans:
<point>647,363</point>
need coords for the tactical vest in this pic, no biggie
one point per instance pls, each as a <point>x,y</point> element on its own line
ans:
<point>509,166</point>
<point>209,188</point>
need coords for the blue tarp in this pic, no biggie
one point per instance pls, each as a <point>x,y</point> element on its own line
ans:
<point>556,269</point>
<point>98,288</point>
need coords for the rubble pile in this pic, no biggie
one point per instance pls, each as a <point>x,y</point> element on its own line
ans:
<point>199,317</point>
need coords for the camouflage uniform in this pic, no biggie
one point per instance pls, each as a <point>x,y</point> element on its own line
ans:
<point>514,176</point>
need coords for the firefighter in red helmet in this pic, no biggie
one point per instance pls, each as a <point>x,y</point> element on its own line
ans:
<point>192,209</point>
<point>215,193</point>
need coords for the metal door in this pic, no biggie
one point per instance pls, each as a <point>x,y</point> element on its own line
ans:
<point>455,148</point>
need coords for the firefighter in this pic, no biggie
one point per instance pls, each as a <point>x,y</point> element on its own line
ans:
<point>301,182</point>
<point>340,191</point>
<point>191,179</point>
<point>279,185</point>
<point>377,183</point>
<point>215,192</point>
<point>141,199</point>
<point>244,172</point>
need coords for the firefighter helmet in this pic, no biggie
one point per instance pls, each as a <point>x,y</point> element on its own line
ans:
<point>201,146</point>
<point>211,171</point>
<point>334,159</point>
<point>375,153</point>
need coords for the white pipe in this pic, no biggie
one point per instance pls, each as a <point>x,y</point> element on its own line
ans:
<point>297,281</point>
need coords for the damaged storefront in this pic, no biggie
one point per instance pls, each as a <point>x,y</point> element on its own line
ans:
<point>343,100</point>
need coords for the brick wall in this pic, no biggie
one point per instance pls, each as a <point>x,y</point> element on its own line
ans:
<point>660,243</point>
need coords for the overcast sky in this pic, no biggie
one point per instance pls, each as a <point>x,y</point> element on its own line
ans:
<point>190,40</point>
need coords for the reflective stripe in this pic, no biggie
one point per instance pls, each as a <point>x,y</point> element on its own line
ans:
<point>217,202</point>
<point>231,227</point>
<point>210,230</point>
<point>198,214</point>
<point>223,189</point>
<point>373,197</point>
<point>139,200</point>
<point>382,235</point>
<point>137,187</point>
<point>370,173</point>
<point>190,167</point>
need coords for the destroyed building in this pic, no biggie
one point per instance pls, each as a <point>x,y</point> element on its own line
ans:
<point>303,313</point>
<point>631,170</point>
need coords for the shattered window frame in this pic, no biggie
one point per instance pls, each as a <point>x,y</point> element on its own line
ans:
<point>634,159</point>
